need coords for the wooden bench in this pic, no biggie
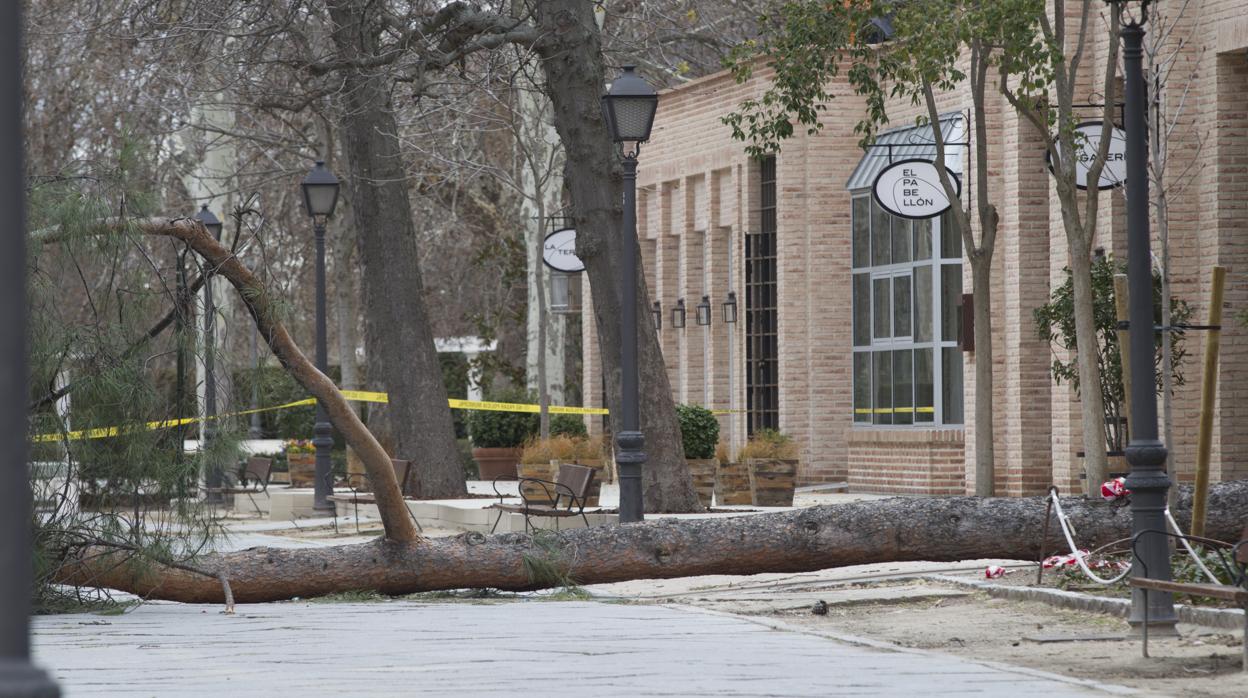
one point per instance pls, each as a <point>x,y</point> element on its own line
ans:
<point>573,484</point>
<point>355,481</point>
<point>253,480</point>
<point>1236,593</point>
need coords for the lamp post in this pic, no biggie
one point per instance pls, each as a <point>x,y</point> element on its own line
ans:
<point>208,432</point>
<point>18,677</point>
<point>320,195</point>
<point>628,108</point>
<point>1146,454</point>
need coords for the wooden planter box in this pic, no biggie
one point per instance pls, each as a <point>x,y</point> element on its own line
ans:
<point>732,484</point>
<point>703,472</point>
<point>302,469</point>
<point>772,482</point>
<point>494,463</point>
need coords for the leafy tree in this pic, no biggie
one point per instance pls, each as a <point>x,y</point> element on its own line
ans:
<point>1055,322</point>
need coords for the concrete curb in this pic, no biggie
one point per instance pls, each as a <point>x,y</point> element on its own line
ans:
<point>1223,619</point>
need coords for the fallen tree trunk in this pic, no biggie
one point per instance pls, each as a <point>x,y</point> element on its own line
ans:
<point>937,529</point>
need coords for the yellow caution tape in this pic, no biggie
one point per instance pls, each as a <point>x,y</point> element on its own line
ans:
<point>355,395</point>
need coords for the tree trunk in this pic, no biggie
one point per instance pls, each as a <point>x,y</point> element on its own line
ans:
<point>1095,464</point>
<point>981,272</point>
<point>572,63</point>
<point>399,339</point>
<point>255,297</point>
<point>935,529</point>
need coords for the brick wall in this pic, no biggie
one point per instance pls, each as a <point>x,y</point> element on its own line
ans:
<point>907,461</point>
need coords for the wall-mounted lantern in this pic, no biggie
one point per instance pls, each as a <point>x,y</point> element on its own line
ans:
<point>704,311</point>
<point>730,308</point>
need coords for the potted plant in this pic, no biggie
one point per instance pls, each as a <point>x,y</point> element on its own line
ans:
<point>301,461</point>
<point>732,480</point>
<point>498,439</point>
<point>771,460</point>
<point>699,433</point>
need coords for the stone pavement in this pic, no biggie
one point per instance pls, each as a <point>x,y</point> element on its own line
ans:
<point>549,648</point>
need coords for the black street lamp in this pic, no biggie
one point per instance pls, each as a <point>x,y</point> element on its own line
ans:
<point>730,308</point>
<point>678,314</point>
<point>320,196</point>
<point>18,677</point>
<point>628,108</point>
<point>656,312</point>
<point>704,311</point>
<point>1146,454</point>
<point>209,432</point>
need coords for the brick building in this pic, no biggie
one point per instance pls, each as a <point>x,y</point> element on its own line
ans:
<point>881,394</point>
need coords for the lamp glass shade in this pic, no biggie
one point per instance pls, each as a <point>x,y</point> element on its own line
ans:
<point>210,222</point>
<point>704,311</point>
<point>656,312</point>
<point>730,308</point>
<point>629,107</point>
<point>678,314</point>
<point>320,191</point>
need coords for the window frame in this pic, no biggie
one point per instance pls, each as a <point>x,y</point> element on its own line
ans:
<point>886,345</point>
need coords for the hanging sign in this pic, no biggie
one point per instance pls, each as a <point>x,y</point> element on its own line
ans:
<point>1087,142</point>
<point>559,252</point>
<point>911,189</point>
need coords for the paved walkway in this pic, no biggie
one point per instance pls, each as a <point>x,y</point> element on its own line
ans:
<point>549,648</point>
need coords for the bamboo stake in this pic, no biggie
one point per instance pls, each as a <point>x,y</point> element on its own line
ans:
<point>1208,391</point>
<point>1124,348</point>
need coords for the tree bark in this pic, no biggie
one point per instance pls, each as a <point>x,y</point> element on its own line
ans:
<point>1095,463</point>
<point>571,53</point>
<point>985,477</point>
<point>935,529</point>
<point>398,336</point>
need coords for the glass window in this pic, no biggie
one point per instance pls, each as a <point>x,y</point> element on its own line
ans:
<point>862,386</point>
<point>906,290</point>
<point>922,304</point>
<point>882,304</point>
<point>883,412</point>
<point>901,306</point>
<point>922,240</point>
<point>950,242</point>
<point>903,387</point>
<point>924,388</point>
<point>881,236</point>
<point>901,240</point>
<point>950,302</point>
<point>951,371</point>
<point>862,310</point>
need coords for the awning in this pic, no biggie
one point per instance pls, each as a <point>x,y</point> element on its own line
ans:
<point>911,142</point>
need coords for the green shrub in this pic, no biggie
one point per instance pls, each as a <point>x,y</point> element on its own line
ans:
<point>699,431</point>
<point>490,429</point>
<point>567,425</point>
